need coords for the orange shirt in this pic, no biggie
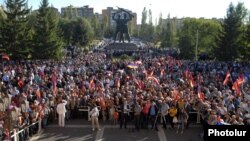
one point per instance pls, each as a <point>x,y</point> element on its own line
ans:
<point>116,115</point>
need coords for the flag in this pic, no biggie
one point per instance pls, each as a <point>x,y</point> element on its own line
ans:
<point>151,72</point>
<point>91,84</point>
<point>5,57</point>
<point>155,80</point>
<point>236,85</point>
<point>200,94</point>
<point>117,83</point>
<point>162,72</point>
<point>138,62</point>
<point>227,78</point>
<point>191,80</point>
<point>132,66</point>
<point>176,95</point>
<point>199,78</point>
<point>137,83</point>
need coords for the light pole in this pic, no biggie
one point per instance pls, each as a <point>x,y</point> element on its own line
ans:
<point>196,46</point>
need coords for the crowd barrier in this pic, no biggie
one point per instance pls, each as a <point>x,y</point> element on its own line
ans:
<point>194,115</point>
<point>14,135</point>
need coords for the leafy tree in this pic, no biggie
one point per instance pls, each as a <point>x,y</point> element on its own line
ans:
<point>67,28</point>
<point>96,26</point>
<point>169,34</point>
<point>12,29</point>
<point>186,41</point>
<point>229,44</point>
<point>247,40</point>
<point>83,32</point>
<point>159,30</point>
<point>147,29</point>
<point>47,38</point>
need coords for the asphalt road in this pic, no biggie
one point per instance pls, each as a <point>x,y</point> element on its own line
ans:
<point>80,130</point>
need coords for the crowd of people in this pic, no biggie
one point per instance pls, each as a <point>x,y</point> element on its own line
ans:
<point>144,90</point>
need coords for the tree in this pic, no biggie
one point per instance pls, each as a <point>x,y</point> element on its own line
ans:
<point>67,28</point>
<point>147,29</point>
<point>186,41</point>
<point>96,26</point>
<point>83,33</point>
<point>229,44</point>
<point>159,30</point>
<point>169,34</point>
<point>47,38</point>
<point>247,40</point>
<point>12,29</point>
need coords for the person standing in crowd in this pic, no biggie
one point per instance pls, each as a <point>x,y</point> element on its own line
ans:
<point>137,114</point>
<point>124,114</point>
<point>145,111</point>
<point>187,108</point>
<point>61,110</point>
<point>172,114</point>
<point>164,113</point>
<point>94,113</point>
<point>153,112</point>
<point>182,120</point>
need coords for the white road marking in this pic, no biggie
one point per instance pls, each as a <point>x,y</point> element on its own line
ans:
<point>161,134</point>
<point>99,134</point>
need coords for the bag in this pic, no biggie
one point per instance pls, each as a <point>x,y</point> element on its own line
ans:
<point>175,120</point>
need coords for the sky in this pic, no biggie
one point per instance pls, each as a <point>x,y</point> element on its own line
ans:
<point>176,8</point>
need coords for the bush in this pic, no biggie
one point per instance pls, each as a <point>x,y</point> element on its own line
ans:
<point>125,57</point>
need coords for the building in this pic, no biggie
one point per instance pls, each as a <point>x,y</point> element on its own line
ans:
<point>74,12</point>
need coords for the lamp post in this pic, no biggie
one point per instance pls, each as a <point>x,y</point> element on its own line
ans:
<point>196,46</point>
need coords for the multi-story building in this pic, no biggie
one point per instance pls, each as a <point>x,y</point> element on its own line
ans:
<point>74,12</point>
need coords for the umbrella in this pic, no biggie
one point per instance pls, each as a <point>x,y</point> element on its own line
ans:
<point>132,66</point>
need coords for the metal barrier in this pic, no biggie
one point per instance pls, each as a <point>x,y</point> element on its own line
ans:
<point>16,133</point>
<point>85,109</point>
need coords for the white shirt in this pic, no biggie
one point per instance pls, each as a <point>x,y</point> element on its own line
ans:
<point>61,109</point>
<point>94,112</point>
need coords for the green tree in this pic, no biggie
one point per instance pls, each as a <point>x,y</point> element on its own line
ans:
<point>96,26</point>
<point>159,30</point>
<point>147,29</point>
<point>186,41</point>
<point>83,32</point>
<point>67,27</point>
<point>169,34</point>
<point>230,44</point>
<point>247,40</point>
<point>12,29</point>
<point>47,38</point>
<point>143,23</point>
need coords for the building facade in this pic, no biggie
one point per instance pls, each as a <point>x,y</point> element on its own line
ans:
<point>74,12</point>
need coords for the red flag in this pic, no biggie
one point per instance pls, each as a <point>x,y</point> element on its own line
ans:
<point>200,79</point>
<point>91,84</point>
<point>187,73</point>
<point>151,72</point>
<point>5,57</point>
<point>227,78</point>
<point>176,94</point>
<point>201,95</point>
<point>137,83</point>
<point>162,72</point>
<point>155,80</point>
<point>117,83</point>
<point>191,80</point>
<point>236,87</point>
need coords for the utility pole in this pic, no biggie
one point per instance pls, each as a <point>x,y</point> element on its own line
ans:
<point>196,47</point>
